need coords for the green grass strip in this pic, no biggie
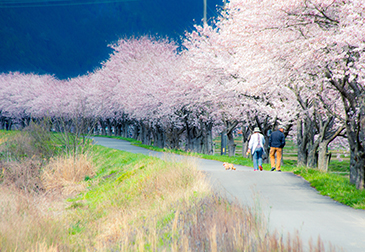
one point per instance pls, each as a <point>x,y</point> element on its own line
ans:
<point>334,186</point>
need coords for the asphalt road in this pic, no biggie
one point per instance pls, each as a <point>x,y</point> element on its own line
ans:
<point>286,201</point>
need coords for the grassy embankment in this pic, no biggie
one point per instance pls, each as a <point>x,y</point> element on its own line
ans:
<point>334,184</point>
<point>106,200</point>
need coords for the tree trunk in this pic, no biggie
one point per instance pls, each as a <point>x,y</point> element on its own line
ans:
<point>353,98</point>
<point>145,133</point>
<point>208,147</point>
<point>2,123</point>
<point>360,183</point>
<point>136,131</point>
<point>323,156</point>
<point>24,122</point>
<point>231,145</point>
<point>244,149</point>
<point>173,135</point>
<point>194,139</point>
<point>8,124</point>
<point>125,128</point>
<point>197,140</point>
<point>312,158</point>
<point>302,141</point>
<point>357,163</point>
<point>355,134</point>
<point>109,127</point>
<point>96,129</point>
<point>118,128</point>
<point>245,139</point>
<point>158,137</point>
<point>357,159</point>
<point>224,142</point>
<point>325,139</point>
<point>102,126</point>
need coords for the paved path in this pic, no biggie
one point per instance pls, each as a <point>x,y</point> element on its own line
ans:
<point>287,201</point>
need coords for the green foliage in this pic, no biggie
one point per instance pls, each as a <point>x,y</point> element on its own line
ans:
<point>37,141</point>
<point>42,138</point>
<point>76,228</point>
<point>33,142</point>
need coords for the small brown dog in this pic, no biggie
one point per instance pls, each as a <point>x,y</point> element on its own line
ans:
<point>228,166</point>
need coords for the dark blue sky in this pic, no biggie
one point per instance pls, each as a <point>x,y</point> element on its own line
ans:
<point>64,39</point>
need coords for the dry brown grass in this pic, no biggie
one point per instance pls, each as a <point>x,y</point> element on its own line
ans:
<point>31,222</point>
<point>33,214</point>
<point>208,224</point>
<point>32,202</point>
<point>24,175</point>
<point>66,175</point>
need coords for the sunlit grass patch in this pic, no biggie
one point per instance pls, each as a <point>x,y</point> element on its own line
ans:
<point>147,204</point>
<point>335,186</point>
<point>340,167</point>
<point>127,189</point>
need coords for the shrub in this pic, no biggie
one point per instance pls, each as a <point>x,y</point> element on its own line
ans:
<point>42,139</point>
<point>64,174</point>
<point>33,141</point>
<point>24,175</point>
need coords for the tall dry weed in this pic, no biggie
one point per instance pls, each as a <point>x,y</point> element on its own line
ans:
<point>210,224</point>
<point>31,222</point>
<point>32,217</point>
<point>24,175</point>
<point>67,174</point>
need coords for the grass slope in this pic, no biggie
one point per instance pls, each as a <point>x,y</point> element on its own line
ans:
<point>132,202</point>
<point>334,184</point>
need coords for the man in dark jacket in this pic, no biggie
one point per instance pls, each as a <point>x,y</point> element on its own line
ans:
<point>276,143</point>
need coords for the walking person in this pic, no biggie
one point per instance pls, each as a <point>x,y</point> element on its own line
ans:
<point>276,143</point>
<point>256,147</point>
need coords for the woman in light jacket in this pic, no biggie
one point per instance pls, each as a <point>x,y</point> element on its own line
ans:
<point>256,147</point>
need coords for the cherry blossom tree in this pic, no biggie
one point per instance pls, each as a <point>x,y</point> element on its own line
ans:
<point>145,74</point>
<point>329,47</point>
<point>262,63</point>
<point>20,94</point>
<point>316,44</point>
<point>226,54</point>
<point>262,46</point>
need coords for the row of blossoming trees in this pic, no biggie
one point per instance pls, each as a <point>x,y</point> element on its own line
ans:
<point>262,62</point>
